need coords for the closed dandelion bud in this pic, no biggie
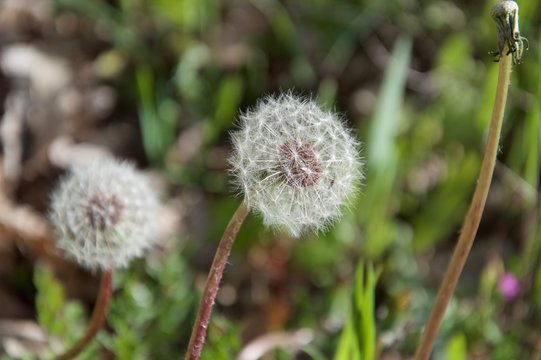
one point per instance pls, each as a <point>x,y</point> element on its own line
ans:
<point>295,163</point>
<point>104,215</point>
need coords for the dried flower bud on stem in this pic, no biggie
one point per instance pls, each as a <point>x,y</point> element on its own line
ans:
<point>473,217</point>
<point>505,13</point>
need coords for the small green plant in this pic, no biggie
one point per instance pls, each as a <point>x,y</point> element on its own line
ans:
<point>61,318</point>
<point>358,338</point>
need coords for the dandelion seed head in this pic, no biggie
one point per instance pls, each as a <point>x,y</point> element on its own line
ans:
<point>104,215</point>
<point>295,164</point>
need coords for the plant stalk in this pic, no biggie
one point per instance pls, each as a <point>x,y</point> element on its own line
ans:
<point>473,217</point>
<point>212,286</point>
<point>98,317</point>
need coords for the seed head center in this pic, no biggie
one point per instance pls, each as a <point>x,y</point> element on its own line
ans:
<point>298,164</point>
<point>103,210</point>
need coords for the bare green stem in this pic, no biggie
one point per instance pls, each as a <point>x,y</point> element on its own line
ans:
<point>98,317</point>
<point>199,331</point>
<point>473,217</point>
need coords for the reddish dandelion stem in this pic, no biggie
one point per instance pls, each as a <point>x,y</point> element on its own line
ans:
<point>202,319</point>
<point>98,317</point>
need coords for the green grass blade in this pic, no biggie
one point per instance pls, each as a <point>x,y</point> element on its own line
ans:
<point>358,338</point>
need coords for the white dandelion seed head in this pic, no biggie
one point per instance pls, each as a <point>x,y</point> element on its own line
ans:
<point>294,163</point>
<point>104,214</point>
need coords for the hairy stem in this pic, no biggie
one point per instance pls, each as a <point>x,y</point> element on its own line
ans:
<point>473,217</point>
<point>98,317</point>
<point>202,319</point>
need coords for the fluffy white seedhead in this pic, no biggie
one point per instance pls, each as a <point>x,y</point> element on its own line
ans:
<point>104,215</point>
<point>295,163</point>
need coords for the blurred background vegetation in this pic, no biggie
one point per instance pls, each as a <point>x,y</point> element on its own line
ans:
<point>160,83</point>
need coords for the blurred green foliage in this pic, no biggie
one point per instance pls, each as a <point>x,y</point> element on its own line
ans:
<point>59,317</point>
<point>358,338</point>
<point>425,66</point>
<point>146,314</point>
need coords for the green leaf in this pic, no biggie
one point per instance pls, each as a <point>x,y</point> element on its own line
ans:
<point>227,104</point>
<point>61,318</point>
<point>382,152</point>
<point>456,348</point>
<point>358,338</point>
<point>157,118</point>
<point>384,125</point>
<point>50,301</point>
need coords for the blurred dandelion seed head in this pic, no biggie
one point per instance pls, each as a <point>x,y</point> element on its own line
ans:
<point>294,163</point>
<point>104,215</point>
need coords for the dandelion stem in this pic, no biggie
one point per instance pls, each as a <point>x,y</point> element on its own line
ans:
<point>473,217</point>
<point>212,286</point>
<point>98,317</point>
